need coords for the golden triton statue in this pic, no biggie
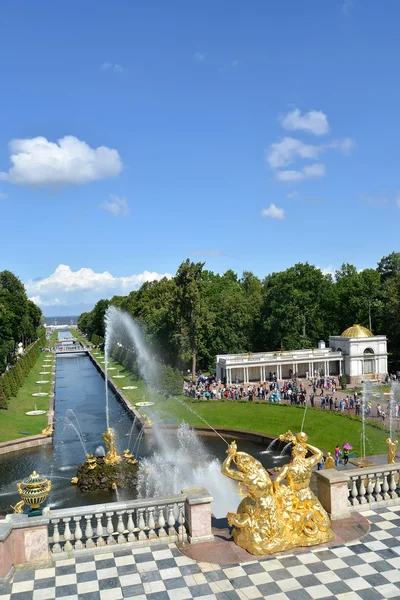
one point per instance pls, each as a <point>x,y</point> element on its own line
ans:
<point>129,457</point>
<point>48,430</point>
<point>274,517</point>
<point>391,450</point>
<point>18,508</point>
<point>112,455</point>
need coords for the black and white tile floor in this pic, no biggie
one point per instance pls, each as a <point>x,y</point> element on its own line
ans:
<point>367,570</point>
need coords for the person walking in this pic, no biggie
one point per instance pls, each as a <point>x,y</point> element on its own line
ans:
<point>337,455</point>
<point>345,456</point>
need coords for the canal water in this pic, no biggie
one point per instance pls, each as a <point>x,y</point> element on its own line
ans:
<point>80,421</point>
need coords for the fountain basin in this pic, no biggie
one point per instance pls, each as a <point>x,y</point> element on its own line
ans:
<point>40,394</point>
<point>129,387</point>
<point>43,381</point>
<point>144,404</point>
<point>119,376</point>
<point>33,413</point>
<point>44,373</point>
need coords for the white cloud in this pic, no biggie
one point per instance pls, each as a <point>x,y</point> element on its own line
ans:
<point>307,172</point>
<point>200,57</point>
<point>116,205</point>
<point>37,162</point>
<point>294,194</point>
<point>66,287</point>
<point>273,212</point>
<point>315,121</point>
<point>107,66</point>
<point>235,63</point>
<point>329,270</point>
<point>344,146</point>
<point>288,150</point>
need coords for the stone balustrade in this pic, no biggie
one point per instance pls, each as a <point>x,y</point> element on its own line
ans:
<point>65,532</point>
<point>341,492</point>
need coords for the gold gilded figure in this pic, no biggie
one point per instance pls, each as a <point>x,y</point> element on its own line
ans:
<point>274,517</point>
<point>305,517</point>
<point>257,526</point>
<point>391,450</point>
<point>112,455</point>
<point>329,461</point>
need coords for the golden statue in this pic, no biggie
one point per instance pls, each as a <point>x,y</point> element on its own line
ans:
<point>329,461</point>
<point>91,461</point>
<point>147,421</point>
<point>129,457</point>
<point>48,430</point>
<point>112,455</point>
<point>18,508</point>
<point>274,517</point>
<point>391,450</point>
<point>75,480</point>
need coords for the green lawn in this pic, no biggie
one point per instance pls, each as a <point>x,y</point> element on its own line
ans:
<point>84,341</point>
<point>53,340</point>
<point>14,420</point>
<point>325,429</point>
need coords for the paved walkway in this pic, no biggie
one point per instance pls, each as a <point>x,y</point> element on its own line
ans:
<point>366,570</point>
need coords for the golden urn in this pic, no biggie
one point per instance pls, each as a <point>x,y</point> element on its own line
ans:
<point>34,490</point>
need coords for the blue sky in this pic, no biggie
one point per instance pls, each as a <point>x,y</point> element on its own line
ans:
<point>250,135</point>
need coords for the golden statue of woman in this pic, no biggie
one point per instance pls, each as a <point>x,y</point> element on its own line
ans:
<point>391,450</point>
<point>274,517</point>
<point>305,517</point>
<point>257,526</point>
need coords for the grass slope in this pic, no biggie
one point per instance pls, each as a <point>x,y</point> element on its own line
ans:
<point>325,429</point>
<point>14,420</point>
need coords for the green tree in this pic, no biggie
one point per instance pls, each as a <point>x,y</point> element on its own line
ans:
<point>389,266</point>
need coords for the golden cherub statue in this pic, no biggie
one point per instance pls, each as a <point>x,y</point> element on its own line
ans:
<point>112,455</point>
<point>91,461</point>
<point>74,480</point>
<point>129,457</point>
<point>18,508</point>
<point>274,517</point>
<point>48,430</point>
<point>391,450</point>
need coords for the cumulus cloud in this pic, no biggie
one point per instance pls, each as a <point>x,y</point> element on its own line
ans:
<point>288,150</point>
<point>315,121</point>
<point>116,68</point>
<point>307,172</point>
<point>329,270</point>
<point>294,194</point>
<point>200,57</point>
<point>116,206</point>
<point>66,287</point>
<point>273,212</point>
<point>37,162</point>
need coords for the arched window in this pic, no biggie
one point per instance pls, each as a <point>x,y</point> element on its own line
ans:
<point>338,350</point>
<point>368,361</point>
<point>369,351</point>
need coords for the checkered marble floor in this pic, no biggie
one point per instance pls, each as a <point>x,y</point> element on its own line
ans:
<point>367,570</point>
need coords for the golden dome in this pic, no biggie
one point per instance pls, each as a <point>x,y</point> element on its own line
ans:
<point>357,331</point>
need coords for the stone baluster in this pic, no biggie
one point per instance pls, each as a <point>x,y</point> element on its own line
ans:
<point>78,534</point>
<point>362,491</point>
<point>171,520</point>
<point>131,527</point>
<point>354,491</point>
<point>68,547</point>
<point>56,537</point>
<point>377,488</point>
<point>181,521</point>
<point>99,530</point>
<point>121,528</point>
<point>141,524</point>
<point>161,522</point>
<point>385,486</point>
<point>151,523</point>
<point>110,529</point>
<point>392,486</point>
<point>89,532</point>
<point>370,489</point>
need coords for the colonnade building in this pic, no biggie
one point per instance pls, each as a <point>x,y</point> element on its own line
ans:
<point>356,352</point>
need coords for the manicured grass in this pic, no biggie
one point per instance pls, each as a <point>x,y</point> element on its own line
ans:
<point>84,341</point>
<point>14,420</point>
<point>325,429</point>
<point>50,343</point>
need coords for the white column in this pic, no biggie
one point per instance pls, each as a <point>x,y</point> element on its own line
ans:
<point>244,374</point>
<point>327,368</point>
<point>261,373</point>
<point>340,366</point>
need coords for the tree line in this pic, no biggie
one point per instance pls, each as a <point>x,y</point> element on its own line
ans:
<point>197,314</point>
<point>13,379</point>
<point>20,318</point>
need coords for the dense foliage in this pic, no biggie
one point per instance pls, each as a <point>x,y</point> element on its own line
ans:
<point>12,380</point>
<point>197,314</point>
<point>20,318</point>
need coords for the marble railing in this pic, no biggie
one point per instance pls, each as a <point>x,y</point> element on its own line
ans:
<point>135,521</point>
<point>341,492</point>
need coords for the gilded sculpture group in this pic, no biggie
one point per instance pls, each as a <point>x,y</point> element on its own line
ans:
<point>272,516</point>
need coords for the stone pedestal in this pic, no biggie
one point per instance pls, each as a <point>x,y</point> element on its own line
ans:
<point>198,515</point>
<point>333,493</point>
<point>6,556</point>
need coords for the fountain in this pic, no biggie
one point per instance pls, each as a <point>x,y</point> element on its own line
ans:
<point>106,473</point>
